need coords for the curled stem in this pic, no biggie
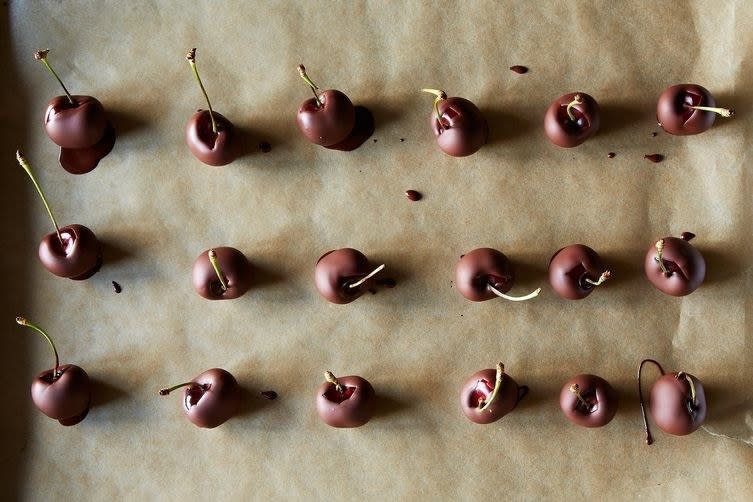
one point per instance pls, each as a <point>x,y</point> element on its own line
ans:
<point>602,278</point>
<point>304,76</point>
<point>217,270</point>
<point>366,278</point>
<point>25,322</point>
<point>164,392</point>
<point>659,250</point>
<point>440,95</point>
<point>724,112</point>
<point>25,165</point>
<point>649,438</point>
<point>41,55</point>
<point>497,388</point>
<point>576,101</point>
<point>330,377</point>
<point>529,296</point>
<point>191,58</point>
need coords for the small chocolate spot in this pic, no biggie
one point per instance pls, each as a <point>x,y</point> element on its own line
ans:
<point>686,236</point>
<point>265,147</point>
<point>117,287</point>
<point>375,140</point>
<point>269,394</point>
<point>372,291</point>
<point>413,195</point>
<point>387,282</point>
<point>611,155</point>
<point>402,140</point>
<point>519,69</point>
<point>653,134</point>
<point>654,157</point>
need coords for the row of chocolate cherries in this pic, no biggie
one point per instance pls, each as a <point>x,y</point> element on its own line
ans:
<point>79,124</point>
<point>677,401</point>
<point>672,265</point>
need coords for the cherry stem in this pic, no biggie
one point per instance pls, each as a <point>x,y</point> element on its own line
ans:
<point>602,278</point>
<point>497,387</point>
<point>25,322</point>
<point>684,375</point>
<point>330,377</point>
<point>529,296</point>
<point>440,95</point>
<point>217,270</point>
<point>25,165</point>
<point>659,250</point>
<point>364,279</point>
<point>191,58</point>
<point>302,73</point>
<point>724,112</point>
<point>649,438</point>
<point>575,389</point>
<point>577,100</point>
<point>42,56</point>
<point>164,392</point>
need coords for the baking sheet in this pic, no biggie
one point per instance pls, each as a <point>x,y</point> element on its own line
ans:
<point>157,208</point>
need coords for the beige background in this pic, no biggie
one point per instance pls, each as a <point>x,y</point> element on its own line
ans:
<point>156,208</point>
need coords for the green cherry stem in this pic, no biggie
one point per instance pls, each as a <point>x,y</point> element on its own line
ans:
<point>602,278</point>
<point>191,58</point>
<point>575,389</point>
<point>529,296</point>
<point>217,270</point>
<point>497,387</point>
<point>440,95</point>
<point>25,322</point>
<point>369,276</point>
<point>164,392</point>
<point>724,112</point>
<point>659,250</point>
<point>304,76</point>
<point>330,377</point>
<point>576,101</point>
<point>42,56</point>
<point>25,164</point>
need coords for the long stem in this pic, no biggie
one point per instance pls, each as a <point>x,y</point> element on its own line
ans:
<point>575,389</point>
<point>191,58</point>
<point>364,279</point>
<point>576,101</point>
<point>25,164</point>
<point>440,95</point>
<point>25,322</point>
<point>330,377</point>
<point>217,270</point>
<point>603,277</point>
<point>724,112</point>
<point>659,250</point>
<point>42,56</point>
<point>529,296</point>
<point>497,387</point>
<point>649,438</point>
<point>302,73</point>
<point>164,392</point>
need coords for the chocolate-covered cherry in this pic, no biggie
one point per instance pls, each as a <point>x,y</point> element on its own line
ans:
<point>72,251</point>
<point>347,401</point>
<point>485,273</point>
<point>63,392</point>
<point>489,395</point>
<point>677,402</point>
<point>686,109</point>
<point>674,266</point>
<point>575,270</point>
<point>343,275</point>
<point>458,125</point>
<point>588,400</point>
<point>209,135</point>
<point>210,399</point>
<point>572,119</point>
<point>222,273</point>
<point>326,119</point>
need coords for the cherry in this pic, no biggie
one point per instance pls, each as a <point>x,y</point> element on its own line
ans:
<point>572,119</point>
<point>222,273</point>
<point>575,270</point>
<point>490,394</point>
<point>674,266</point>
<point>589,401</point>
<point>210,399</point>
<point>344,402</point>
<point>686,109</point>
<point>458,125</point>
<point>343,275</point>
<point>326,119</point>
<point>485,273</point>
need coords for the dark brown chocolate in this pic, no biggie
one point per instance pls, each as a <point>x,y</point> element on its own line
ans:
<point>570,269</point>
<point>566,132</point>
<point>462,129</point>
<point>238,273</point>
<point>117,287</point>
<point>269,394</point>
<point>330,123</point>
<point>336,270</point>
<point>413,195</point>
<point>84,160</point>
<point>78,257</point>
<point>671,404</point>
<point>684,267</point>
<point>353,406</point>
<point>78,125</point>
<point>597,404</point>
<point>362,130</point>
<point>654,157</point>
<point>481,268</point>
<point>212,149</point>
<point>478,388</point>
<point>64,396</point>
<point>519,69</point>
<point>611,155</point>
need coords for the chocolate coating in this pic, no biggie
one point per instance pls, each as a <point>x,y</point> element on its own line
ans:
<point>330,123</point>
<point>236,268</point>
<point>362,130</point>
<point>684,262</point>
<point>481,268</point>
<point>671,406</point>
<point>78,125</point>
<point>480,385</point>
<point>336,269</point>
<point>567,133</point>
<point>78,257</point>
<point>84,160</point>
<point>65,398</point>
<point>602,401</point>
<point>212,149</point>
<point>213,399</point>
<point>673,114</point>
<point>570,267</point>
<point>463,129</point>
<point>351,408</point>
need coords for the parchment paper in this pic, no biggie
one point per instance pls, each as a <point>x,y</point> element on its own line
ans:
<point>157,208</point>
